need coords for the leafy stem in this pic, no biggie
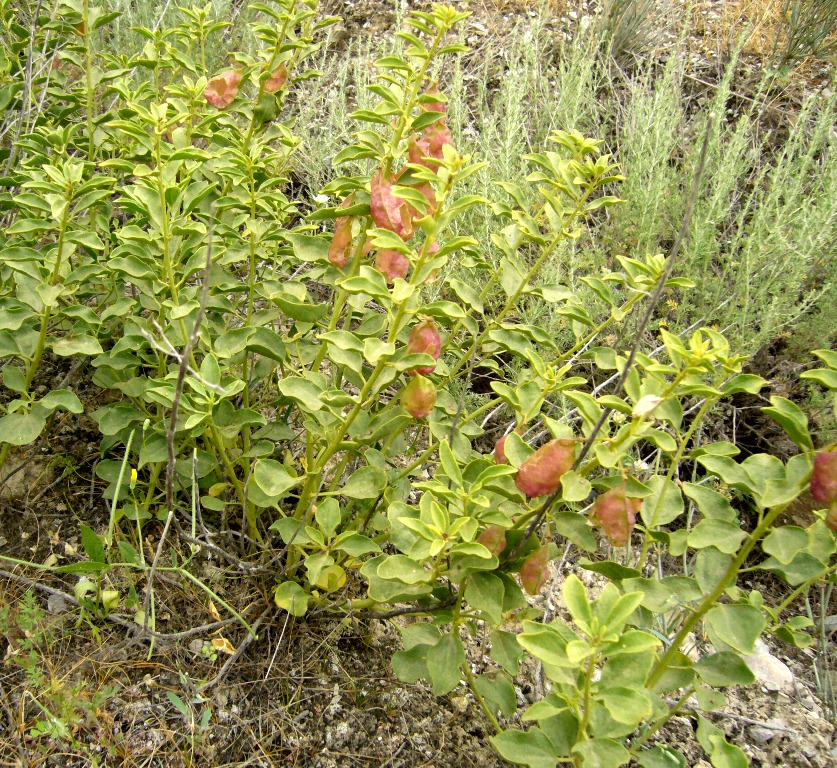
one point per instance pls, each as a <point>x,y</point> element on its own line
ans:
<point>469,678</point>
<point>694,618</point>
<point>586,695</point>
<point>658,724</point>
<point>675,464</point>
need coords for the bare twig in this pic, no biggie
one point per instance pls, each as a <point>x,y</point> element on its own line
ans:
<point>242,646</point>
<point>149,585</point>
<point>323,614</point>
<point>201,630</point>
<point>184,365</point>
<point>687,710</point>
<point>27,89</point>
<point>178,393</point>
<point>278,646</point>
<point>167,348</point>
<point>391,759</point>
<point>32,584</point>
<point>461,403</point>
<point>241,565</point>
<point>118,618</point>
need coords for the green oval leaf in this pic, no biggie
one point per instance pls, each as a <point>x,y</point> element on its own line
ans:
<point>21,428</point>
<point>290,597</point>
<point>272,478</point>
<point>724,668</point>
<point>734,626</point>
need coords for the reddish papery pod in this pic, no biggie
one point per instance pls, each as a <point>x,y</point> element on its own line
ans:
<point>422,150</point>
<point>424,339</point>
<point>535,570</point>
<point>419,397</point>
<point>824,477</point>
<point>500,451</point>
<point>615,514</point>
<point>391,264</point>
<point>418,148</point>
<point>341,244</point>
<point>500,448</point>
<point>388,211</point>
<point>221,90</point>
<point>438,136</point>
<point>277,79</point>
<point>493,539</point>
<point>433,106</point>
<point>540,474</point>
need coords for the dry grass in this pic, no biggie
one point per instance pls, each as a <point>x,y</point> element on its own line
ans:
<point>760,21</point>
<point>762,24</point>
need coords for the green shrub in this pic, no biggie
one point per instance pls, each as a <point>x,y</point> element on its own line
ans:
<point>301,371</point>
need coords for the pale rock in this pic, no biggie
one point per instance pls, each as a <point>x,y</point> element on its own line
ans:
<point>761,735</point>
<point>772,729</point>
<point>56,604</point>
<point>810,703</point>
<point>772,673</point>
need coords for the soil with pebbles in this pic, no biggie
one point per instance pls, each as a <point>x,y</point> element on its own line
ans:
<point>322,695</point>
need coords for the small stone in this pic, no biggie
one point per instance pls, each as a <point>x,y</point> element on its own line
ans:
<point>56,604</point>
<point>761,735</point>
<point>772,729</point>
<point>769,671</point>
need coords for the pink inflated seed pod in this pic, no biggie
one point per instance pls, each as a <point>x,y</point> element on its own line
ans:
<point>540,474</point>
<point>221,90</point>
<point>615,513</point>
<point>419,397</point>
<point>424,339</point>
